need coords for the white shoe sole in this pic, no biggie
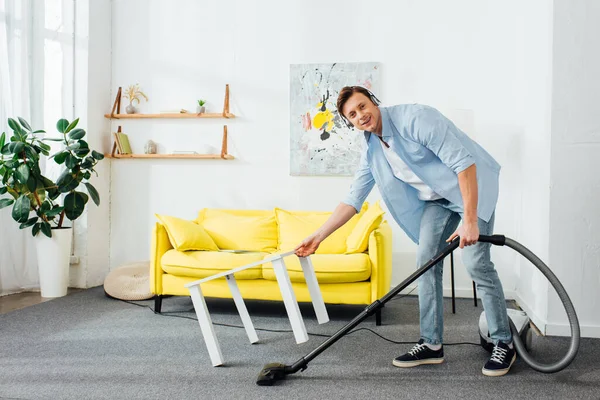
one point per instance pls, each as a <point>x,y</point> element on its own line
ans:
<point>409,364</point>
<point>499,372</point>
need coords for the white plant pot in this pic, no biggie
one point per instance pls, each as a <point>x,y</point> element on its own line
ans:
<point>54,256</point>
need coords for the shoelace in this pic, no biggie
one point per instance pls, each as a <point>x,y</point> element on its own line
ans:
<point>498,354</point>
<point>416,349</point>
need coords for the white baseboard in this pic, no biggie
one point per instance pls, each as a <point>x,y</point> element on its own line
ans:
<point>588,331</point>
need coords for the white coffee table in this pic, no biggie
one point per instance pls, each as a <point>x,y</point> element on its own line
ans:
<point>287,293</point>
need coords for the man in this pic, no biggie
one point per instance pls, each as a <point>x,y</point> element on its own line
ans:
<point>430,176</point>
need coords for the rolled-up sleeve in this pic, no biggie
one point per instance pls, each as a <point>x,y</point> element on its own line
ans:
<point>362,185</point>
<point>436,132</point>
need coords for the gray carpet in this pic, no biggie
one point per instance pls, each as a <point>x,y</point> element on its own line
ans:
<point>87,346</point>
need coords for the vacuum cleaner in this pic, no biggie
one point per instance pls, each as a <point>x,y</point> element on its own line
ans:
<point>273,372</point>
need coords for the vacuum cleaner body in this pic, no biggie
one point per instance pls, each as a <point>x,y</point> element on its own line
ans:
<point>520,321</point>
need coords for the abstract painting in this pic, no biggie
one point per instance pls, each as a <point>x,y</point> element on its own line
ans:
<point>320,141</point>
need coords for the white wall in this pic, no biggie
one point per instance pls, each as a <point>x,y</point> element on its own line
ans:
<point>575,185</point>
<point>531,156</point>
<point>466,58</point>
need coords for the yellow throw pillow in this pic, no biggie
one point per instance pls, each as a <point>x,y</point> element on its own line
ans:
<point>358,240</point>
<point>233,230</point>
<point>295,226</point>
<point>187,235</point>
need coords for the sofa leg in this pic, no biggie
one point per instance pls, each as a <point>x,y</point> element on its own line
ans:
<point>378,317</point>
<point>157,304</point>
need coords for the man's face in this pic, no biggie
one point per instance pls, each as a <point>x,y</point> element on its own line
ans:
<point>361,112</point>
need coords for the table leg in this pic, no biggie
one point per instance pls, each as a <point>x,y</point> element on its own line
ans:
<point>313,289</point>
<point>206,325</point>
<point>241,307</point>
<point>289,300</point>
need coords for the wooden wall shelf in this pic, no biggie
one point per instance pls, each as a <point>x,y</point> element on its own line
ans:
<point>173,156</point>
<point>225,114</point>
<point>169,115</point>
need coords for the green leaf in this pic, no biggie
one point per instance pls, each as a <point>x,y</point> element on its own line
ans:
<point>46,206</point>
<point>22,173</point>
<point>87,163</point>
<point>71,125</point>
<point>44,146</point>
<point>87,175</point>
<point>2,139</point>
<point>49,139</point>
<point>71,161</point>
<point>62,125</point>
<point>31,153</point>
<point>6,149</point>
<point>75,204</point>
<point>14,125</point>
<point>29,223</point>
<point>39,131</point>
<point>25,124</point>
<point>82,152</point>
<point>61,157</point>
<point>3,189</point>
<point>12,164</point>
<point>93,192</point>
<point>67,182</point>
<point>46,229</point>
<point>36,229</point>
<point>74,146</point>
<point>6,202</point>
<point>77,134</point>
<point>21,209</point>
<point>16,147</point>
<point>32,184</point>
<point>55,211</point>
<point>97,156</point>
<point>51,188</point>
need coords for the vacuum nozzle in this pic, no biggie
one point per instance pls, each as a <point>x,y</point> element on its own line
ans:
<point>272,373</point>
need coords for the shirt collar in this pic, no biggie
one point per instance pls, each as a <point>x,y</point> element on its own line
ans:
<point>386,131</point>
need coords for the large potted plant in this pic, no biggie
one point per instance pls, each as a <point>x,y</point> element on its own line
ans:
<point>42,204</point>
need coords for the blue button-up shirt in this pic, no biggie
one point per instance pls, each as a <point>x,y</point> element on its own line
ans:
<point>436,151</point>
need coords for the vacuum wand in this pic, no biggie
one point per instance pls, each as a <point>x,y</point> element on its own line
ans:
<point>275,371</point>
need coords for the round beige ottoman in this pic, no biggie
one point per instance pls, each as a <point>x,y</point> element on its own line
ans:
<point>129,282</point>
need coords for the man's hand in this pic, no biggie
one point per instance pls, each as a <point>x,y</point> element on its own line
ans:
<point>308,246</point>
<point>468,232</point>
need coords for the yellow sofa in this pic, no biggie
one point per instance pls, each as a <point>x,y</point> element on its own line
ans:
<point>353,265</point>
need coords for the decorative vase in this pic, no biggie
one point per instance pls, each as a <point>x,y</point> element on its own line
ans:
<point>150,147</point>
<point>200,109</point>
<point>130,109</point>
<point>54,257</point>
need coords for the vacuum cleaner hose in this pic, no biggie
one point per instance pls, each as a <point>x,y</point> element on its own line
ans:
<point>274,372</point>
<point>571,314</point>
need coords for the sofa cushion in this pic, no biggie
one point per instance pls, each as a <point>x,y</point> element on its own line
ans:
<point>240,230</point>
<point>358,240</point>
<point>329,268</point>
<point>295,226</point>
<point>186,235</point>
<point>202,264</point>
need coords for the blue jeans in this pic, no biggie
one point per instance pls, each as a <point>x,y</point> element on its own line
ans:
<point>440,219</point>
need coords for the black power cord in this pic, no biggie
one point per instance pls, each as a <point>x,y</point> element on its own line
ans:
<point>172,315</point>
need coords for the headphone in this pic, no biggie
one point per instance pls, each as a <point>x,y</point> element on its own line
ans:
<point>372,97</point>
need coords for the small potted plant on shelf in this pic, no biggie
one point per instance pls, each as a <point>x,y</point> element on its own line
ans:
<point>200,108</point>
<point>42,204</point>
<point>133,93</point>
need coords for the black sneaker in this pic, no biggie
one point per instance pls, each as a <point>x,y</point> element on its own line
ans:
<point>418,355</point>
<point>501,360</point>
